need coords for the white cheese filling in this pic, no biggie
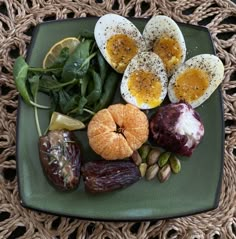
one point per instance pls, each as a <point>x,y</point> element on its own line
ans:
<point>188,125</point>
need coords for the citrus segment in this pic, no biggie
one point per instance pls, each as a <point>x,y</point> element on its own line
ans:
<point>60,121</point>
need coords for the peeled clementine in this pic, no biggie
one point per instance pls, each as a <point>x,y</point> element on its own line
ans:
<point>115,132</point>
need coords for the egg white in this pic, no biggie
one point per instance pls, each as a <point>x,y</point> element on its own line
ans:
<point>146,61</point>
<point>207,62</point>
<point>112,24</point>
<point>160,26</point>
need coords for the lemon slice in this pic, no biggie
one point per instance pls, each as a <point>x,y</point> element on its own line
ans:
<point>59,121</point>
<point>53,53</point>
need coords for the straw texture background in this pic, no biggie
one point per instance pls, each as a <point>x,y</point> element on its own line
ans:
<point>17,19</point>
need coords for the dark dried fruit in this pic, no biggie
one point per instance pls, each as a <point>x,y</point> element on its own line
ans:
<point>104,176</point>
<point>60,156</point>
<point>177,128</point>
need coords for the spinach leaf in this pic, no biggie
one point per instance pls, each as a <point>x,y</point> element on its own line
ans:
<point>78,63</point>
<point>48,83</point>
<point>71,103</point>
<point>109,89</point>
<point>20,71</point>
<point>39,70</point>
<point>90,86</point>
<point>95,94</point>
<point>82,102</point>
<point>102,66</point>
<point>63,99</point>
<point>34,85</point>
<point>54,96</point>
<point>80,108</point>
<point>83,84</point>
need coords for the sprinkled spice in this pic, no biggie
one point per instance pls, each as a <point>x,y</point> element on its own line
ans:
<point>145,87</point>
<point>191,84</point>
<point>169,51</point>
<point>121,49</point>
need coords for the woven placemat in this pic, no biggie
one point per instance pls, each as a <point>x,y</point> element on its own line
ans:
<point>17,20</point>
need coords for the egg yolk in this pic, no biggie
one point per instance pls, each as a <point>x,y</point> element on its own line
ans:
<point>168,49</point>
<point>191,84</point>
<point>145,87</point>
<point>121,49</point>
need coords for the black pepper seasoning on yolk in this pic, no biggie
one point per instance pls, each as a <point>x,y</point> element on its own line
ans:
<point>191,84</point>
<point>121,49</point>
<point>145,87</point>
<point>169,50</point>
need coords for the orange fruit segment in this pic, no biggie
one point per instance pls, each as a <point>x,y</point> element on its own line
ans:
<point>55,50</point>
<point>117,112</point>
<point>139,133</point>
<point>118,146</point>
<point>99,142</point>
<point>104,117</point>
<point>133,117</point>
<point>97,128</point>
<point>132,140</point>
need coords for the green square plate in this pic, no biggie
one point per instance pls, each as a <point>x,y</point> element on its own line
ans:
<point>195,189</point>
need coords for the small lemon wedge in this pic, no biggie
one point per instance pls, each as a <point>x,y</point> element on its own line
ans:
<point>59,121</point>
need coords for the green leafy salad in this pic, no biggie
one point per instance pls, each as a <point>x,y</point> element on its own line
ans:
<point>79,83</point>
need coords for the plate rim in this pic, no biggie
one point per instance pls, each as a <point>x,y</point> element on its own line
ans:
<point>23,200</point>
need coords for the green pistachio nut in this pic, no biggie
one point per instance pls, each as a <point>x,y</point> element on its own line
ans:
<point>175,164</point>
<point>143,151</point>
<point>163,159</point>
<point>136,158</point>
<point>143,169</point>
<point>152,171</point>
<point>164,173</point>
<point>153,156</point>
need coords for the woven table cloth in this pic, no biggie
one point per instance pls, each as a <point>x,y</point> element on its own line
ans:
<point>17,21</point>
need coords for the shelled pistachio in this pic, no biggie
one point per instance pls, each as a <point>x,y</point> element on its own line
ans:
<point>143,169</point>
<point>143,151</point>
<point>164,173</point>
<point>136,158</point>
<point>153,156</point>
<point>152,171</point>
<point>163,158</point>
<point>175,164</point>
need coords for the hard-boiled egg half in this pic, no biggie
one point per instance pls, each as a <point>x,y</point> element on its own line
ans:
<point>163,36</point>
<point>118,40</point>
<point>144,83</point>
<point>196,79</point>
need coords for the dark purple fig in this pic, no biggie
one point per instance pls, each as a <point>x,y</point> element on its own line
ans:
<point>60,156</point>
<point>104,176</point>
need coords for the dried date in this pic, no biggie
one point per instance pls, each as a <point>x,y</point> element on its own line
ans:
<point>104,176</point>
<point>60,156</point>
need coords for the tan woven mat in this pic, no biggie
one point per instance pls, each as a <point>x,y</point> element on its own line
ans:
<point>17,19</point>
